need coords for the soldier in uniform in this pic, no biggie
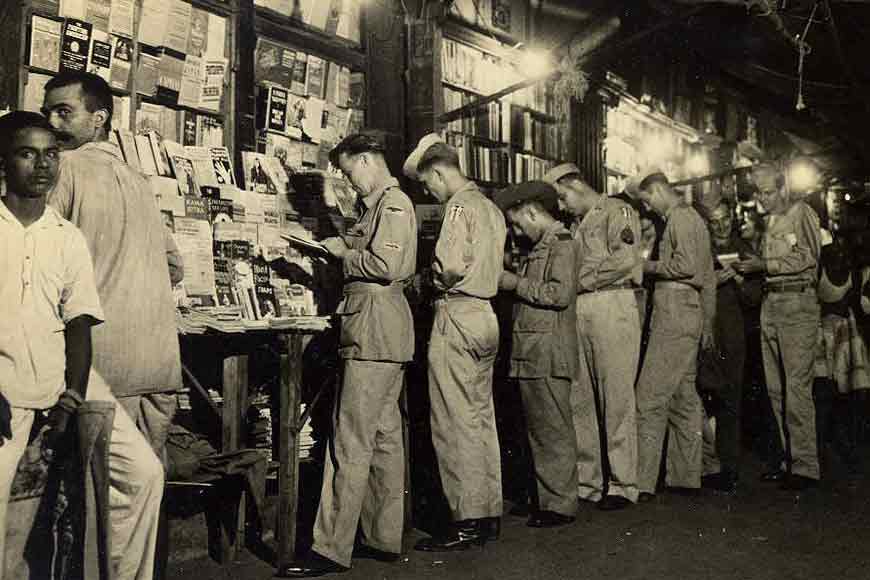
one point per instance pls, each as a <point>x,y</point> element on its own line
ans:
<point>609,269</point>
<point>682,320</point>
<point>363,480</point>
<point>544,345</point>
<point>466,269</point>
<point>789,322</point>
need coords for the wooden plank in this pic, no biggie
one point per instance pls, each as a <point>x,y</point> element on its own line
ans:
<point>288,450</point>
<point>235,378</point>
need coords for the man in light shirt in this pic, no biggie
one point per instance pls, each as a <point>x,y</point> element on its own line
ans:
<point>48,304</point>
<point>136,351</point>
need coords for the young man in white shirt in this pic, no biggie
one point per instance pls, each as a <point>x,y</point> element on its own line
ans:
<point>48,300</point>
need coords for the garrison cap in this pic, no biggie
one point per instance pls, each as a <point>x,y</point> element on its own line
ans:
<point>410,166</point>
<point>527,191</point>
<point>649,172</point>
<point>560,171</point>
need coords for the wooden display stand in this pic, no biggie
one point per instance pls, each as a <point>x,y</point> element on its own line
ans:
<point>238,347</point>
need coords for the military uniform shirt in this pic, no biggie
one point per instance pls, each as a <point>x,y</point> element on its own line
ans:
<point>376,320</point>
<point>685,255</point>
<point>544,329</point>
<point>470,249</point>
<point>792,245</point>
<point>608,240</point>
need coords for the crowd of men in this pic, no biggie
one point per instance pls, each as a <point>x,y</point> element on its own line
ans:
<point>84,241</point>
<point>87,308</point>
<point>598,413</point>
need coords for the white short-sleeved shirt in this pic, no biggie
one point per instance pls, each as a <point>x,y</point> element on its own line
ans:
<point>46,280</point>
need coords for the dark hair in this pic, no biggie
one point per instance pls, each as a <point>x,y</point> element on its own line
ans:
<point>649,180</point>
<point>438,153</point>
<point>354,145</point>
<point>96,91</point>
<point>779,175</point>
<point>12,123</point>
<point>546,204</point>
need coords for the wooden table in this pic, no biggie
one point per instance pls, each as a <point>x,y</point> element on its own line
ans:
<point>237,347</point>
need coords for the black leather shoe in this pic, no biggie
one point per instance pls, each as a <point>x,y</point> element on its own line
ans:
<point>794,482</point>
<point>463,535</point>
<point>549,519</point>
<point>313,565</point>
<point>491,528</point>
<point>775,476</point>
<point>645,497</point>
<point>610,503</point>
<point>723,482</point>
<point>520,510</point>
<point>361,551</point>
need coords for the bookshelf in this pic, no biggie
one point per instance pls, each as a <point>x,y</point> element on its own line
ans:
<point>169,62</point>
<point>517,138</point>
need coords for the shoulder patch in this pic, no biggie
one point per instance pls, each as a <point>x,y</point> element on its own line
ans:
<point>456,212</point>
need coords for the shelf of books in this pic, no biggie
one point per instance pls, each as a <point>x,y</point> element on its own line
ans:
<point>515,139</point>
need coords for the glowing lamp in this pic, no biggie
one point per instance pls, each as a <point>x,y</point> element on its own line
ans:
<point>803,176</point>
<point>536,63</point>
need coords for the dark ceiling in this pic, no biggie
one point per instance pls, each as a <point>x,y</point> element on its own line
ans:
<point>756,43</point>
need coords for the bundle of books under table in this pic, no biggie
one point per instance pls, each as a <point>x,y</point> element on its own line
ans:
<point>306,437</point>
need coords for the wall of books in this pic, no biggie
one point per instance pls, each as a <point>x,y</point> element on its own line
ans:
<point>514,139</point>
<point>638,138</point>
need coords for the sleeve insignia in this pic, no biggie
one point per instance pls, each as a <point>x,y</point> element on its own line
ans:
<point>627,236</point>
<point>456,212</point>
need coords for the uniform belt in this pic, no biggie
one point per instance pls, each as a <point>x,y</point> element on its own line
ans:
<point>675,285</point>
<point>611,288</point>
<point>791,287</point>
<point>373,288</point>
<point>451,296</point>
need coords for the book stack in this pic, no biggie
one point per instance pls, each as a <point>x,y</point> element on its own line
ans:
<point>306,437</point>
<point>260,425</point>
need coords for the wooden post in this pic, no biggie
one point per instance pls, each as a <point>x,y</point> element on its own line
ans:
<point>235,378</point>
<point>288,449</point>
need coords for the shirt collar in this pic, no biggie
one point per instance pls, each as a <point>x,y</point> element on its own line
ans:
<point>104,146</point>
<point>48,218</point>
<point>370,200</point>
<point>555,228</point>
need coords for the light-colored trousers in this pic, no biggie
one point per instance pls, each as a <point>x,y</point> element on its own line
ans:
<point>135,486</point>
<point>364,476</point>
<point>462,351</point>
<point>547,402</point>
<point>608,327</point>
<point>666,393</point>
<point>789,336</point>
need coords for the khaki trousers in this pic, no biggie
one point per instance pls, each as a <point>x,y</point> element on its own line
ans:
<point>462,351</point>
<point>789,335</point>
<point>135,486</point>
<point>547,402</point>
<point>608,328</point>
<point>666,394</point>
<point>364,475</point>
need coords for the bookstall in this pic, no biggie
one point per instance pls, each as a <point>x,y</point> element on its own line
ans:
<point>230,108</point>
